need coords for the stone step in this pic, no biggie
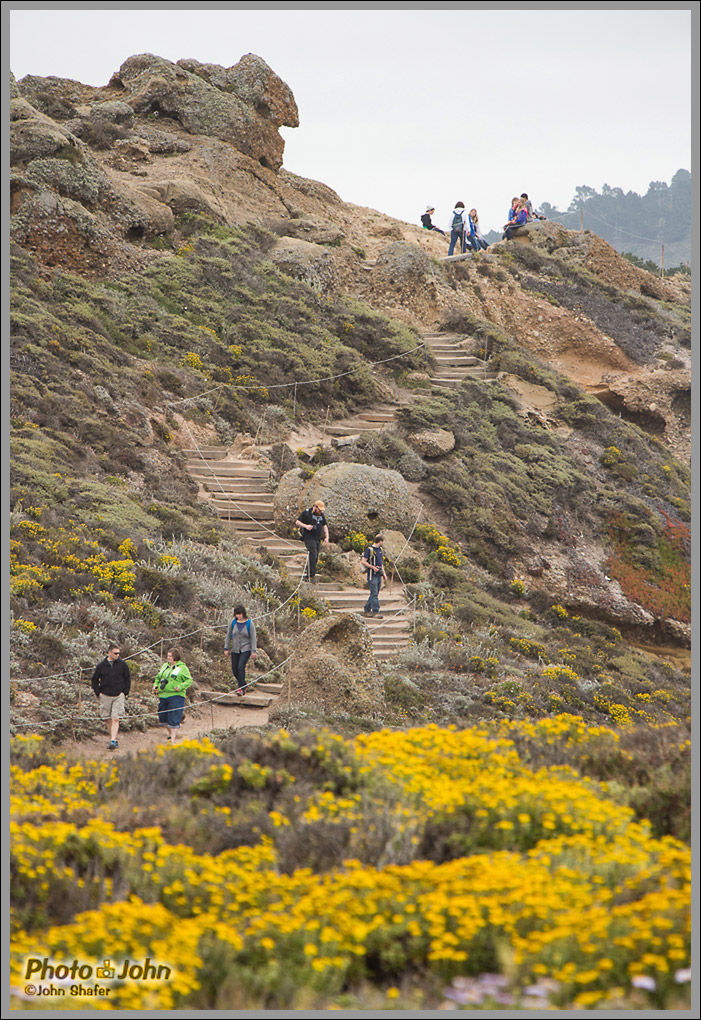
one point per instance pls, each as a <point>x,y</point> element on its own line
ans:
<point>329,586</point>
<point>269,688</point>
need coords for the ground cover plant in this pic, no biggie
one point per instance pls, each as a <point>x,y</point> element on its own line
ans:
<point>399,860</point>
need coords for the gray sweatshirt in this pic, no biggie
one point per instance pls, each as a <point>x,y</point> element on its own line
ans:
<point>241,639</point>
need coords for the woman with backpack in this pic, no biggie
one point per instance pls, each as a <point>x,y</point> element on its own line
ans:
<point>242,643</point>
<point>172,681</point>
<point>457,228</point>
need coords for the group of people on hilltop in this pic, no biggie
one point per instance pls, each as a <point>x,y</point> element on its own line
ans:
<point>111,681</point>
<point>465,228</point>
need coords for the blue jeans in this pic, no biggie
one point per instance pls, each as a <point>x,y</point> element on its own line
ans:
<point>170,711</point>
<point>455,236</point>
<point>238,667</point>
<point>373,603</point>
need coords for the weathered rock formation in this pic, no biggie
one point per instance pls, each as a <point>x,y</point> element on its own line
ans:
<point>358,497</point>
<point>334,669</point>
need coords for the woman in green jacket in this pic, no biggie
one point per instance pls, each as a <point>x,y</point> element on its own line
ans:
<point>171,682</point>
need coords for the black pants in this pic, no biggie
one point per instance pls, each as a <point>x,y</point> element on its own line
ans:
<point>313,545</point>
<point>238,667</point>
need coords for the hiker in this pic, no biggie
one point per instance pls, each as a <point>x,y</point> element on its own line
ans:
<point>242,642</point>
<point>518,221</point>
<point>476,239</point>
<point>313,522</point>
<point>457,228</point>
<point>375,572</point>
<point>426,221</point>
<point>529,208</point>
<point>111,683</point>
<point>172,680</point>
<point>513,210</point>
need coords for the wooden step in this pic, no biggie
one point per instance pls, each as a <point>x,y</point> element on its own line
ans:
<point>249,700</point>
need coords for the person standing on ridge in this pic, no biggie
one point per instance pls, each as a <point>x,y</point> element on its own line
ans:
<point>372,560</point>
<point>241,638</point>
<point>457,228</point>
<point>313,527</point>
<point>111,683</point>
<point>427,223</point>
<point>172,680</point>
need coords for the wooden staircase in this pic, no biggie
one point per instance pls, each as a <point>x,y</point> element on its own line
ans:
<point>391,634</point>
<point>453,363</point>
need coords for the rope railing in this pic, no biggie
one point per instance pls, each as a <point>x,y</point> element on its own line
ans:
<point>172,640</point>
<point>154,715</point>
<point>297,382</point>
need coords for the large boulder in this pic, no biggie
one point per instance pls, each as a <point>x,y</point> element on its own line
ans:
<point>358,497</point>
<point>305,261</point>
<point>256,83</point>
<point>334,668</point>
<point>154,86</point>
<point>432,442</point>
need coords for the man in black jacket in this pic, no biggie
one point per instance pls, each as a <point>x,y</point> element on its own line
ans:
<point>111,682</point>
<point>313,527</point>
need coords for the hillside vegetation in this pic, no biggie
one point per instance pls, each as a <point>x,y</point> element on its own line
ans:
<point>527,764</point>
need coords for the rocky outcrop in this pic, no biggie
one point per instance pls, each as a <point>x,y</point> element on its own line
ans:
<point>305,261</point>
<point>333,668</point>
<point>432,442</point>
<point>255,83</point>
<point>358,497</point>
<point>156,87</point>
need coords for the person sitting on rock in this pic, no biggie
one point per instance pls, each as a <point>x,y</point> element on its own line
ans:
<point>475,236</point>
<point>519,220</point>
<point>426,220</point>
<point>529,208</point>
<point>513,211</point>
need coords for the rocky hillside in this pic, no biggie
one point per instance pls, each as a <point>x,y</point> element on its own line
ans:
<point>172,280</point>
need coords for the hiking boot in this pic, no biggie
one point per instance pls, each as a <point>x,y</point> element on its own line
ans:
<point>366,612</point>
<point>113,744</point>
<point>377,616</point>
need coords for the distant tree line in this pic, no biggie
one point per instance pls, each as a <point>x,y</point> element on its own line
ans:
<point>638,225</point>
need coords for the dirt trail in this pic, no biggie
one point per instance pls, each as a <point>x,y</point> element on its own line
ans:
<point>198,722</point>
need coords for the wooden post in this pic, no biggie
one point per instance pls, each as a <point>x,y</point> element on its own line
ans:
<point>581,219</point>
<point>328,408</point>
<point>662,263</point>
<point>294,405</point>
<point>161,649</point>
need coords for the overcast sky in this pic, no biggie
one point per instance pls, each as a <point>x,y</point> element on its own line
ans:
<point>401,108</point>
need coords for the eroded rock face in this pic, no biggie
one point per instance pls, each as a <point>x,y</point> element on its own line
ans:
<point>156,87</point>
<point>358,497</point>
<point>334,669</point>
<point>256,83</point>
